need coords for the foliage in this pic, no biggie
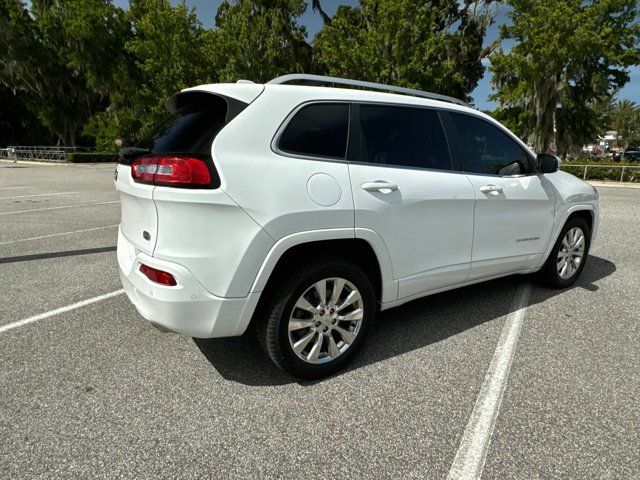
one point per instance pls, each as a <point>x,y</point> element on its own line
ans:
<point>18,124</point>
<point>166,51</point>
<point>86,70</point>
<point>589,160</point>
<point>260,39</point>
<point>434,46</point>
<point>625,120</point>
<point>604,173</point>
<point>170,50</point>
<point>515,118</point>
<point>60,54</point>
<point>569,55</point>
<point>91,157</point>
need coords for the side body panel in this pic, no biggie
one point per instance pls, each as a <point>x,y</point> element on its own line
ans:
<point>273,188</point>
<point>211,236</point>
<point>513,226</point>
<point>572,195</point>
<point>426,224</point>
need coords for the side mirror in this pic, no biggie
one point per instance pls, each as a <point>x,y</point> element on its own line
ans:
<point>547,163</point>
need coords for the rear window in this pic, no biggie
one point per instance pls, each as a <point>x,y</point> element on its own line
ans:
<point>318,130</point>
<point>196,119</point>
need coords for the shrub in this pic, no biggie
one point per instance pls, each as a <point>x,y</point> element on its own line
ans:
<point>86,157</point>
<point>604,173</point>
<point>597,161</point>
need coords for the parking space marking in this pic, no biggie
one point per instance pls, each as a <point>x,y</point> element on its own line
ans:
<point>15,188</point>
<point>472,452</point>
<point>57,311</point>
<point>39,195</point>
<point>58,234</point>
<point>58,208</point>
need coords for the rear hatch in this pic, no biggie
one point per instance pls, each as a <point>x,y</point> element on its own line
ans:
<point>177,154</point>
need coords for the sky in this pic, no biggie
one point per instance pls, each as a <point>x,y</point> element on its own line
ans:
<point>206,11</point>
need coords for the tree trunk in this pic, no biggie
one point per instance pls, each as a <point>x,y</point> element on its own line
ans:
<point>544,104</point>
<point>68,136</point>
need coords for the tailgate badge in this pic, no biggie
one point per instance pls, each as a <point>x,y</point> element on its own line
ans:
<point>146,235</point>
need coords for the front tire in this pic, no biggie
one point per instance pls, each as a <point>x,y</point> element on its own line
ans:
<point>316,316</point>
<point>568,256</point>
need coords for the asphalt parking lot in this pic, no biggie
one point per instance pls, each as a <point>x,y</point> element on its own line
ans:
<point>95,392</point>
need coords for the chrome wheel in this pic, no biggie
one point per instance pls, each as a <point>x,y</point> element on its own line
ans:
<point>571,253</point>
<point>325,320</point>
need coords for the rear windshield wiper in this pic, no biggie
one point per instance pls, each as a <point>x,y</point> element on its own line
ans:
<point>128,154</point>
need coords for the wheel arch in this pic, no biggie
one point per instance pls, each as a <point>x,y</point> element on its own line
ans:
<point>365,247</point>
<point>586,214</point>
<point>585,211</point>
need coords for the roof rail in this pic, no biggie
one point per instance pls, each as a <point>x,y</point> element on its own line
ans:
<point>292,77</point>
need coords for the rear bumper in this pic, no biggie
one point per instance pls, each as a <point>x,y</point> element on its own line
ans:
<point>186,308</point>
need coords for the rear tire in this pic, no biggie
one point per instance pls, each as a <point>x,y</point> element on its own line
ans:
<point>310,336</point>
<point>568,256</point>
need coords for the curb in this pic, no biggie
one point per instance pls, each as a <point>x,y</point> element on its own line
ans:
<point>614,184</point>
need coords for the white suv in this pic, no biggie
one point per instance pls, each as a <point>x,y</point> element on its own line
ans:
<point>302,210</point>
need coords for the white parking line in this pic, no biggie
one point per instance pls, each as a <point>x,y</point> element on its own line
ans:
<point>472,452</point>
<point>57,208</point>
<point>38,195</point>
<point>57,234</point>
<point>51,313</point>
<point>15,188</point>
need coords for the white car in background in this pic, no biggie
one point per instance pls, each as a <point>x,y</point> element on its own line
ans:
<point>303,210</point>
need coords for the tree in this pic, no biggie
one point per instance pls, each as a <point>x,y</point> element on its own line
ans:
<point>436,46</point>
<point>168,50</point>
<point>60,55</point>
<point>261,39</point>
<point>18,124</point>
<point>579,123</point>
<point>569,55</point>
<point>625,120</point>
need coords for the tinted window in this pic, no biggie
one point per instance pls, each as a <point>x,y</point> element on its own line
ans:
<point>484,148</point>
<point>404,136</point>
<point>318,130</point>
<point>192,125</point>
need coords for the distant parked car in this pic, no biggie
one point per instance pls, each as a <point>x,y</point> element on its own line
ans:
<point>632,155</point>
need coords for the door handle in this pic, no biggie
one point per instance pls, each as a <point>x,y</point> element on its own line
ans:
<point>379,185</point>
<point>491,189</point>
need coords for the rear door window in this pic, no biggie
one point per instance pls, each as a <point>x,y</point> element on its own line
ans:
<point>317,130</point>
<point>401,136</point>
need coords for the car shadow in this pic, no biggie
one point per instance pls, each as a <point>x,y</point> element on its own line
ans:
<point>400,330</point>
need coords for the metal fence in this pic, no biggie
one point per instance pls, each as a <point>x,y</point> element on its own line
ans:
<point>40,152</point>
<point>620,173</point>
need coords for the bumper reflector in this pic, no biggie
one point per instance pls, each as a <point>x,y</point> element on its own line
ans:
<point>158,276</point>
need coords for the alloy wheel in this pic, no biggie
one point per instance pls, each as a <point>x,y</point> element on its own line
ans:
<point>325,320</point>
<point>571,253</point>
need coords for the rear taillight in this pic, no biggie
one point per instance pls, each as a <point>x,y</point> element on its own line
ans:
<point>158,276</point>
<point>172,171</point>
